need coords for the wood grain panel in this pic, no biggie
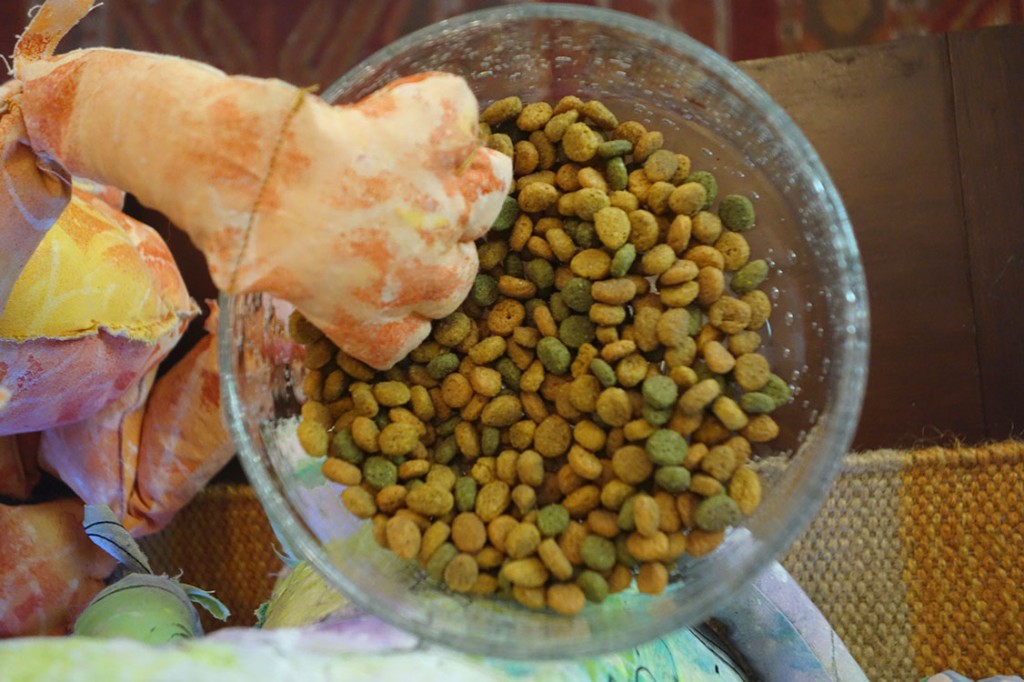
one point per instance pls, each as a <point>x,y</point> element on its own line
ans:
<point>987,69</point>
<point>882,120</point>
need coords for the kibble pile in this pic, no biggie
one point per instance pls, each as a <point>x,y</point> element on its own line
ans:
<point>586,417</point>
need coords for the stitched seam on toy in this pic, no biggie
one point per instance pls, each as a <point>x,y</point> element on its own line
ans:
<point>299,99</point>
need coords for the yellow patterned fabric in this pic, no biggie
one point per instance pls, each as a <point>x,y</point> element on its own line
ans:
<point>915,558</point>
<point>93,270</point>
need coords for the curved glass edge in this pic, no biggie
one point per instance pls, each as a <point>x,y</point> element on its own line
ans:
<point>296,535</point>
<point>845,405</point>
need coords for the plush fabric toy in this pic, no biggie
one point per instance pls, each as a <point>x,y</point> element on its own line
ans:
<point>361,216</point>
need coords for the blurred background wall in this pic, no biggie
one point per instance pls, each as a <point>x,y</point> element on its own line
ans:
<point>311,42</point>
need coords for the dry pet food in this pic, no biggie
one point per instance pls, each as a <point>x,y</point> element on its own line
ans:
<point>586,417</point>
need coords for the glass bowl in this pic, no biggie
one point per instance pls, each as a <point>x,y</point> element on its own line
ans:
<point>817,340</point>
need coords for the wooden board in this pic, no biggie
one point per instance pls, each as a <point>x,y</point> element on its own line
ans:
<point>987,70</point>
<point>883,122</point>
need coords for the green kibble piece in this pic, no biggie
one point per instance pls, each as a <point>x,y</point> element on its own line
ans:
<point>696,319</point>
<point>552,520</point>
<point>553,354</point>
<point>710,184</point>
<point>654,416</point>
<point>603,371</point>
<point>510,374</point>
<point>490,440</point>
<point>597,552</point>
<point>446,450</point>
<point>717,513</point>
<point>485,290</point>
<point>594,586</point>
<point>344,447</point>
<point>673,479</point>
<point>622,554</point>
<point>607,150</point>
<point>452,330</point>
<point>540,272</point>
<point>465,493</point>
<point>381,419</point>
<point>623,259</point>
<point>447,427</point>
<point>507,215</point>
<point>736,212</point>
<point>616,173</point>
<point>627,521</point>
<point>513,265</point>
<point>442,366</point>
<point>777,389</point>
<point>491,254</point>
<point>660,392</point>
<point>380,472</point>
<point>666,447</point>
<point>440,559</point>
<point>585,235</point>
<point>570,226</point>
<point>576,330</point>
<point>576,294</point>
<point>757,403</point>
<point>750,276</point>
<point>557,306</point>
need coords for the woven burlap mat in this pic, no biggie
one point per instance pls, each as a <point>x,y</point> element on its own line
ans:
<point>915,558</point>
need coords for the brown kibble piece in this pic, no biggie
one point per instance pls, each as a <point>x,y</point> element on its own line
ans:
<point>554,559</point>
<point>701,542</point>
<point>647,515</point>
<point>529,572</point>
<point>565,598</point>
<point>403,537</point>
<point>745,489</point>
<point>468,532</point>
<point>492,500</point>
<point>359,502</point>
<point>652,578</point>
<point>632,465</point>
<point>614,407</point>
<point>340,471</point>
<point>553,436</point>
<point>461,573</point>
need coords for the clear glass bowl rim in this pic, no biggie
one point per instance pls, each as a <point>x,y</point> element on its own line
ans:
<point>850,364</point>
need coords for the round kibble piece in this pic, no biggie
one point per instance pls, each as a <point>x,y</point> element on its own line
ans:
<point>614,407</point>
<point>404,537</point>
<point>622,261</point>
<point>717,513</point>
<point>574,331</point>
<point>612,226</point>
<point>674,479</point>
<point>576,292</point>
<point>565,598</point>
<point>756,403</point>
<point>430,500</point>
<point>594,586</point>
<point>660,392</point>
<point>597,552</point>
<point>580,142</point>
<point>380,472</point>
<point>745,489</point>
<point>736,212</point>
<point>709,183</point>
<point>502,110</point>
<point>665,447</point>
<point>552,520</point>
<point>750,276</point>
<point>398,439</point>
